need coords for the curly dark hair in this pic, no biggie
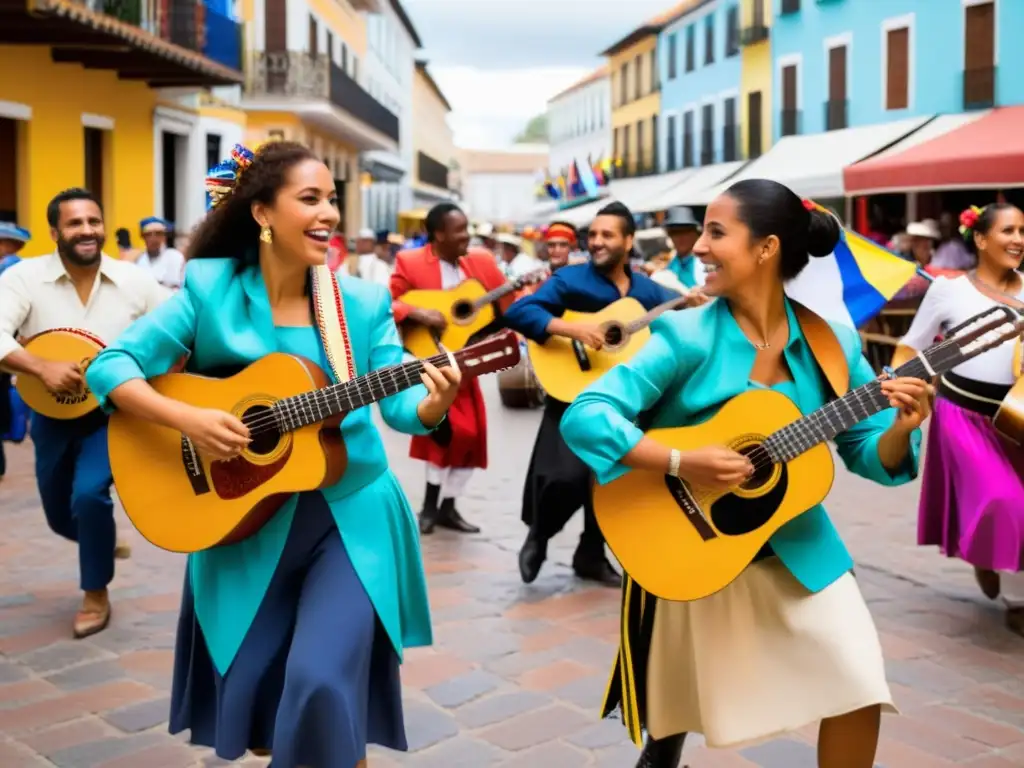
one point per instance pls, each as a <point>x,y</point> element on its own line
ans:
<point>229,230</point>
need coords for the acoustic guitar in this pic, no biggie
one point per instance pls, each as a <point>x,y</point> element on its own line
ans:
<point>565,367</point>
<point>1009,419</point>
<point>468,308</point>
<point>182,502</point>
<point>68,345</point>
<point>684,542</point>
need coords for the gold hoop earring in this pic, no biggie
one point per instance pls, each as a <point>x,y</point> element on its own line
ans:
<point>266,235</point>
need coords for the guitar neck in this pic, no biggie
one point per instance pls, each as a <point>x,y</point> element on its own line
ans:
<point>642,322</point>
<point>492,296</point>
<point>321,404</point>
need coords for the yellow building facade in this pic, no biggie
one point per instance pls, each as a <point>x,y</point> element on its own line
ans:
<point>756,77</point>
<point>434,176</point>
<point>636,102</point>
<point>65,126</point>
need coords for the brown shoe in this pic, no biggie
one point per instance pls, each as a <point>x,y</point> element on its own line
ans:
<point>261,752</point>
<point>122,550</point>
<point>94,615</point>
<point>988,581</point>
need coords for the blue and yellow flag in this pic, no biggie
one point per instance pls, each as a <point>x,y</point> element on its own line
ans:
<point>871,274</point>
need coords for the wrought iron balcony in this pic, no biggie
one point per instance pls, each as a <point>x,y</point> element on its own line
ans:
<point>753,34</point>
<point>431,171</point>
<point>302,75</point>
<point>837,114</point>
<point>979,88</point>
<point>170,43</point>
<point>789,120</point>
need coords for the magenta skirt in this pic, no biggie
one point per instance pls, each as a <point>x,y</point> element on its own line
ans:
<point>972,500</point>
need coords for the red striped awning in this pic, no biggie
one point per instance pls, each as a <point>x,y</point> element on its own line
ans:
<point>984,153</point>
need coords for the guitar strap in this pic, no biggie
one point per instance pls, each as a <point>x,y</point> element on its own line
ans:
<point>330,322</point>
<point>828,352</point>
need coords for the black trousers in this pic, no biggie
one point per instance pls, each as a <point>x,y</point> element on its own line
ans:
<point>557,484</point>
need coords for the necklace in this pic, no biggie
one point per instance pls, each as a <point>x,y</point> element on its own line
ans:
<point>766,344</point>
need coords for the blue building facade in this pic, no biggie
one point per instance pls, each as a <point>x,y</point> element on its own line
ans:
<point>845,63</point>
<point>699,66</point>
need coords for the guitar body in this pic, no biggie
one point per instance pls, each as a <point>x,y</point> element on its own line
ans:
<point>565,368</point>
<point>683,543</point>
<point>181,501</point>
<point>68,345</point>
<point>456,304</point>
<point>1009,419</point>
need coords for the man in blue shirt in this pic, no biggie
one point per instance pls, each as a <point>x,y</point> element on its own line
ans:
<point>557,482</point>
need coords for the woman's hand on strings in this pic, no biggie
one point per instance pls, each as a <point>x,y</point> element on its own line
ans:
<point>913,398</point>
<point>215,433</point>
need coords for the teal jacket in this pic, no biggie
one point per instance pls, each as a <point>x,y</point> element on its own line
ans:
<point>694,362</point>
<point>684,267</point>
<point>222,317</point>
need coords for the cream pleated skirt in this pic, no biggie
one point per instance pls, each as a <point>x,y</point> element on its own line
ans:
<point>762,657</point>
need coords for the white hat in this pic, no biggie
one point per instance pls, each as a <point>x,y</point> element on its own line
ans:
<point>485,229</point>
<point>509,239</point>
<point>927,228</point>
<point>366,234</point>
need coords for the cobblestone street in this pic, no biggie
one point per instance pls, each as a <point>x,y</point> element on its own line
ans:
<point>517,672</point>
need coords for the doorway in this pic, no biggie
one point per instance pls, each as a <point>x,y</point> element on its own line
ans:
<point>95,163</point>
<point>171,146</point>
<point>9,170</point>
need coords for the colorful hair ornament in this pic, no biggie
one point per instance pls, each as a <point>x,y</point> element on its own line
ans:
<point>968,220</point>
<point>810,205</point>
<point>222,179</point>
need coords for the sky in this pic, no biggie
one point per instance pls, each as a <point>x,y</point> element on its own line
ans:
<point>499,61</point>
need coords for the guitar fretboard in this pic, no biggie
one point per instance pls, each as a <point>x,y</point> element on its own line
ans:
<point>319,405</point>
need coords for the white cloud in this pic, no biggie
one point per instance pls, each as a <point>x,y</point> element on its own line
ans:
<point>489,107</point>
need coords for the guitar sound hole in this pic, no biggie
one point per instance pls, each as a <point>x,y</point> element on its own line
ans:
<point>265,435</point>
<point>462,310</point>
<point>763,466</point>
<point>613,335</point>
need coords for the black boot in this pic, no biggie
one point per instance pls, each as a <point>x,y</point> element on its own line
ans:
<point>428,516</point>
<point>662,753</point>
<point>448,517</point>
<point>531,557</point>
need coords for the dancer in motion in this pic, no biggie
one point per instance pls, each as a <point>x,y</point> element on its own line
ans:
<point>972,498</point>
<point>790,642</point>
<point>288,641</point>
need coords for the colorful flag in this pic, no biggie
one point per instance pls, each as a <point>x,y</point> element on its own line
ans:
<point>588,181</point>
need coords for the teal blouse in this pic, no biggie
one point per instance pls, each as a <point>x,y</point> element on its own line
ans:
<point>694,362</point>
<point>222,316</point>
<point>684,268</point>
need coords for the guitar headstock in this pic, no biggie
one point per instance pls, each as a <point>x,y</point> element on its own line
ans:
<point>976,335</point>
<point>495,353</point>
<point>531,277</point>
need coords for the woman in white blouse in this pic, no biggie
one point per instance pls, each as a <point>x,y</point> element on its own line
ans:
<point>972,500</point>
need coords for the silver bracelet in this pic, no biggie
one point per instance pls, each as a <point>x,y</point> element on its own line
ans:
<point>673,462</point>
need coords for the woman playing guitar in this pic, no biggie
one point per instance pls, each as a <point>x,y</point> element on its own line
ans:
<point>972,498</point>
<point>790,642</point>
<point>290,640</point>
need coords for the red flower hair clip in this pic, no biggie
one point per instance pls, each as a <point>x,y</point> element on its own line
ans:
<point>809,205</point>
<point>968,219</point>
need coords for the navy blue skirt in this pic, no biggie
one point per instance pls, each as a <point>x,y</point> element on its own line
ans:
<point>316,678</point>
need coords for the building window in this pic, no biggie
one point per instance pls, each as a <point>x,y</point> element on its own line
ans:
<point>624,84</point>
<point>709,39</point>
<point>979,56</point>
<point>897,71</point>
<point>313,36</point>
<point>835,108</point>
<point>213,155</point>
<point>790,6</point>
<point>707,134</point>
<point>672,53</point>
<point>638,64</point>
<point>670,143</point>
<point>790,101</point>
<point>730,131</point>
<point>641,153</point>
<point>732,32</point>
<point>688,140</point>
<point>691,55</point>
<point>330,45</point>
<point>655,80</point>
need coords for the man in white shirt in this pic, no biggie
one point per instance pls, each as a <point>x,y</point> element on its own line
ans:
<point>515,262</point>
<point>365,262</point>
<point>167,265</point>
<point>75,287</point>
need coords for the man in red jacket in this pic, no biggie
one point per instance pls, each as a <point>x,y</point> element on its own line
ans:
<point>459,445</point>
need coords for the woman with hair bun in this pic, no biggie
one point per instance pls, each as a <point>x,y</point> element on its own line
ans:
<point>790,642</point>
<point>290,640</point>
<point>972,499</point>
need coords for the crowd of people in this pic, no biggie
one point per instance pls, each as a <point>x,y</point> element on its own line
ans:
<point>265,661</point>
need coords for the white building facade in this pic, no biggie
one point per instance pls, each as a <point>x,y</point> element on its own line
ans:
<point>580,123</point>
<point>501,186</point>
<point>391,46</point>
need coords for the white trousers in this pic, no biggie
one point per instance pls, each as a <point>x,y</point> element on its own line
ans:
<point>451,479</point>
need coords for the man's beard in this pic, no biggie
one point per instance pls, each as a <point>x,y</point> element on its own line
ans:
<point>66,248</point>
<point>613,262</point>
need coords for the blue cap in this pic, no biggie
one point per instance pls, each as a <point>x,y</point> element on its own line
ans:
<point>11,231</point>
<point>154,221</point>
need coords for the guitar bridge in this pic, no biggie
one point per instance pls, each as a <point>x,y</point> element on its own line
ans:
<point>194,469</point>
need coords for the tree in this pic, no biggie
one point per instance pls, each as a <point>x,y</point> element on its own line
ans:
<point>535,132</point>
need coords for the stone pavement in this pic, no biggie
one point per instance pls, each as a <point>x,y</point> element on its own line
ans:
<point>516,672</point>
